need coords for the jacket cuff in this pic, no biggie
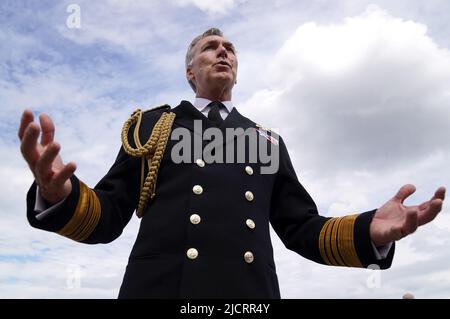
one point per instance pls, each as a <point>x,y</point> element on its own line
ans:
<point>363,244</point>
<point>61,216</point>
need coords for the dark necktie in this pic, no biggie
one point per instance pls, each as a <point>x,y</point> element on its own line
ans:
<point>214,114</point>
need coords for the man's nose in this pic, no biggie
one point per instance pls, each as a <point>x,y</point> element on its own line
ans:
<point>222,51</point>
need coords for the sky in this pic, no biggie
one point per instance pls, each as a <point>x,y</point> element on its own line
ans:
<point>358,89</point>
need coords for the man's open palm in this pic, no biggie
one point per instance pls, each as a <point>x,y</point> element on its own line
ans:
<point>393,220</point>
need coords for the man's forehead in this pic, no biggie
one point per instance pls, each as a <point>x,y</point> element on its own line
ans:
<point>213,38</point>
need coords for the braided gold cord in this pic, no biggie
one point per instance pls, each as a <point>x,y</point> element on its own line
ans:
<point>140,150</point>
<point>152,150</point>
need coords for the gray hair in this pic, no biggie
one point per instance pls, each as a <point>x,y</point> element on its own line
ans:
<point>190,50</point>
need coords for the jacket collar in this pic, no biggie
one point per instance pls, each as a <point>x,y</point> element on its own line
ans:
<point>186,113</point>
<point>201,103</point>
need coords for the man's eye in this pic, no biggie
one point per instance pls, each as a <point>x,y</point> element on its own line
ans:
<point>207,47</point>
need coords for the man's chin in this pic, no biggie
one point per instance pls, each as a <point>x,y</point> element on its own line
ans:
<point>222,77</point>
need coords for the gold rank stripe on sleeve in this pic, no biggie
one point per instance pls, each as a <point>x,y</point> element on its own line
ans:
<point>86,216</point>
<point>336,242</point>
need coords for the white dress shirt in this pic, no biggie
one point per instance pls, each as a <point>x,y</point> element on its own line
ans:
<point>201,104</point>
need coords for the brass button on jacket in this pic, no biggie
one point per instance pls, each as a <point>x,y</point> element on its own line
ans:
<point>192,253</point>
<point>195,219</point>
<point>197,189</point>
<point>250,223</point>
<point>200,162</point>
<point>248,257</point>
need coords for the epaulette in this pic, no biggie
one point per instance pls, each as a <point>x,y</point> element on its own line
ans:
<point>166,107</point>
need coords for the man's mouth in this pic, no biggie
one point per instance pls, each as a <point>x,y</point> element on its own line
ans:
<point>224,63</point>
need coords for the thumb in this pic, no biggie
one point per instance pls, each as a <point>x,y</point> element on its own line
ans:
<point>404,192</point>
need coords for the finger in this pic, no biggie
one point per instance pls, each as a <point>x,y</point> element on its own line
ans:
<point>44,164</point>
<point>440,193</point>
<point>411,223</point>
<point>28,146</point>
<point>404,192</point>
<point>25,120</point>
<point>428,214</point>
<point>48,129</point>
<point>64,174</point>
<point>424,205</point>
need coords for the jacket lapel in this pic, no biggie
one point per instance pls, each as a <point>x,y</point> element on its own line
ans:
<point>186,114</point>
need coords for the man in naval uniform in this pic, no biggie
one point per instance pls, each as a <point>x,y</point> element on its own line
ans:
<point>204,231</point>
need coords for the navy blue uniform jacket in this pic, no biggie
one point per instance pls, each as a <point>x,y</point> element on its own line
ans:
<point>158,266</point>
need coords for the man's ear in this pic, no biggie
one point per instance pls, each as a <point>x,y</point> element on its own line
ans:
<point>189,74</point>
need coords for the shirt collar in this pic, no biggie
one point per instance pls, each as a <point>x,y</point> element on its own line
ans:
<point>201,103</point>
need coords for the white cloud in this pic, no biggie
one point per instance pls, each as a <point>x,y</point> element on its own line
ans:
<point>367,89</point>
<point>210,6</point>
<point>122,23</point>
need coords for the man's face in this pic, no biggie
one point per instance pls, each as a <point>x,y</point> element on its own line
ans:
<point>214,65</point>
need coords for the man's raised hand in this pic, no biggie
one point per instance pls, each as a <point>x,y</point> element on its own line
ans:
<point>393,220</point>
<point>52,176</point>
